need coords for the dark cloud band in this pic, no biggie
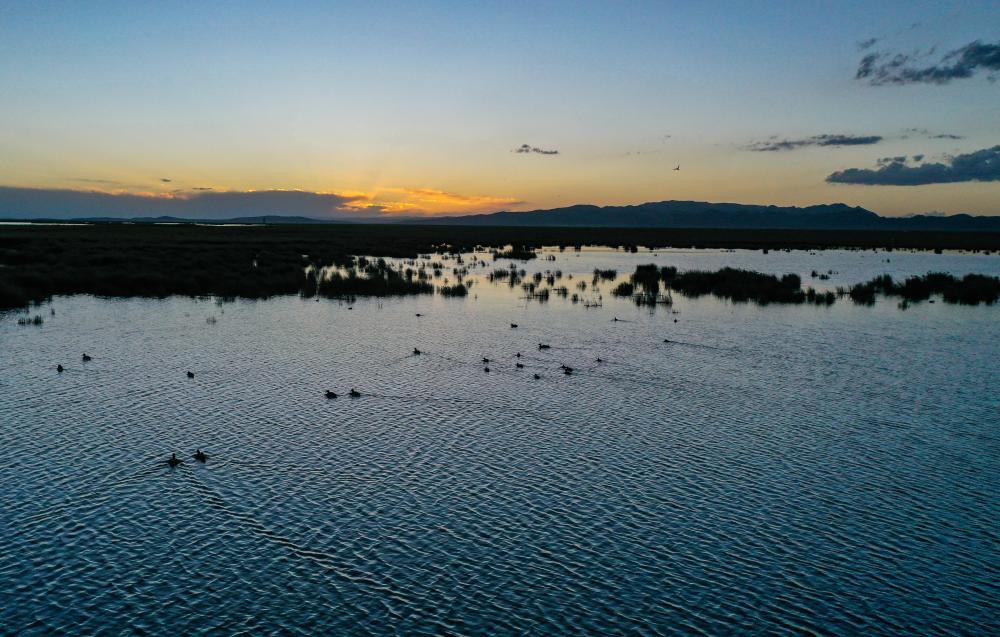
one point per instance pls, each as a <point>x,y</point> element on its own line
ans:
<point>204,204</point>
<point>981,165</point>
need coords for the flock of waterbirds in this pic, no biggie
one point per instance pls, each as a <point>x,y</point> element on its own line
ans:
<point>173,461</point>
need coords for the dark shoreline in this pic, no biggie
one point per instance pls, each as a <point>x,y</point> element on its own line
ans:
<point>115,259</point>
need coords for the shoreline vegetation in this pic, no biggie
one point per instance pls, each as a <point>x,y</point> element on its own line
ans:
<point>126,260</point>
<point>743,286</point>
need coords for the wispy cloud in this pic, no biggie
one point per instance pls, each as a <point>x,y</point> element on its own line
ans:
<point>883,68</point>
<point>923,132</point>
<point>775,144</point>
<point>867,44</point>
<point>981,165</point>
<point>527,148</point>
<point>88,180</point>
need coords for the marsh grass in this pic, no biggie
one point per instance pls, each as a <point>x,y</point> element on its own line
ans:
<point>971,289</point>
<point>458,289</point>
<point>150,260</point>
<point>738,285</point>
<point>518,252</point>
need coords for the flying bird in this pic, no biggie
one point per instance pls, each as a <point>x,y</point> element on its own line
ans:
<point>678,167</point>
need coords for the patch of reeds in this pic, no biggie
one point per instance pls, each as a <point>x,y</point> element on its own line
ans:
<point>458,289</point>
<point>971,289</point>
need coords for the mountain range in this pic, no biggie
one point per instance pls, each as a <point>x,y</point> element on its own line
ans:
<point>701,214</point>
<point>660,214</point>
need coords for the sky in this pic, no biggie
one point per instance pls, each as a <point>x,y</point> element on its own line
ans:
<point>379,108</point>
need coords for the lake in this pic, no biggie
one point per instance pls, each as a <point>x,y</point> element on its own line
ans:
<point>770,469</point>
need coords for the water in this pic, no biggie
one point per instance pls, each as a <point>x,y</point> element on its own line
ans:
<point>779,469</point>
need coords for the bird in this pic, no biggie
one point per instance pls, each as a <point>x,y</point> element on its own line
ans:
<point>519,365</point>
<point>200,456</point>
<point>615,319</point>
<point>486,369</point>
<point>541,346</point>
<point>418,314</point>
<point>416,352</point>
<point>678,167</point>
<point>485,360</point>
<point>567,370</point>
<point>331,394</point>
<point>537,377</point>
<point>355,393</point>
<point>190,374</point>
<point>173,461</point>
<point>667,340</point>
<point>513,325</point>
<point>86,358</point>
<point>518,355</point>
<point>600,360</point>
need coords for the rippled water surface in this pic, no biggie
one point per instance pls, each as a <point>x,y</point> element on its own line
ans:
<point>779,469</point>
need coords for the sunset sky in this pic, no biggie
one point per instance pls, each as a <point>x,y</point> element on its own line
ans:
<point>416,108</point>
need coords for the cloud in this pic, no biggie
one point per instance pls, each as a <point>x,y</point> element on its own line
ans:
<point>867,44</point>
<point>879,69</point>
<point>64,203</point>
<point>526,148</point>
<point>980,165</point>
<point>205,203</point>
<point>775,144</point>
<point>923,132</point>
<point>882,161</point>
<point>103,182</point>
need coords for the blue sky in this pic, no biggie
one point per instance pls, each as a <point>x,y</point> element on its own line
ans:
<point>402,108</point>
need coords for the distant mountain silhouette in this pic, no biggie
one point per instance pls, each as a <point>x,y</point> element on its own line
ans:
<point>700,214</point>
<point>659,214</point>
